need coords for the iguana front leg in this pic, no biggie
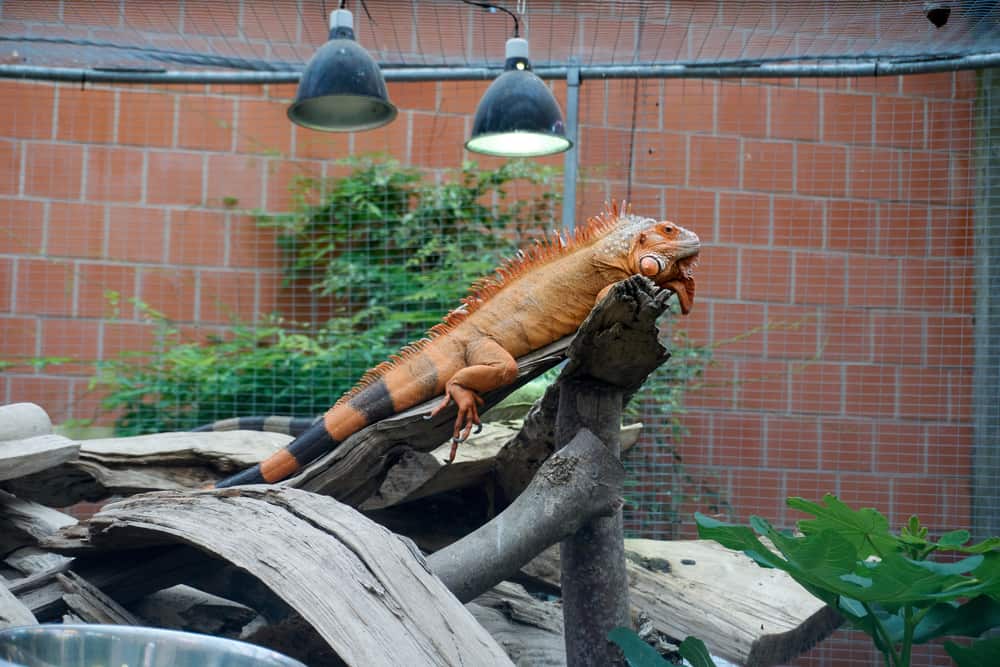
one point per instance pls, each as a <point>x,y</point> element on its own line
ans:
<point>490,366</point>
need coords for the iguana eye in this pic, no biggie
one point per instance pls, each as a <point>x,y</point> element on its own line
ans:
<point>667,229</point>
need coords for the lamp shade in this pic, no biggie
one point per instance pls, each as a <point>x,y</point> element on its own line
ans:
<point>518,115</point>
<point>342,88</point>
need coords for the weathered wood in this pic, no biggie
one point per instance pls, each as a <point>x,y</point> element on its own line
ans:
<point>19,421</point>
<point>744,613</point>
<point>530,630</point>
<point>23,523</point>
<point>90,604</point>
<point>614,351</point>
<point>365,591</point>
<point>157,462</point>
<point>20,458</point>
<point>12,611</point>
<point>189,609</point>
<point>580,481</point>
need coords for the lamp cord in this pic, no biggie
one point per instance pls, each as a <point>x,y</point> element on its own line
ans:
<point>492,7</point>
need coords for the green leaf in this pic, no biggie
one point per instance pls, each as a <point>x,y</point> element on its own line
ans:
<point>637,652</point>
<point>982,653</point>
<point>955,538</point>
<point>971,619</point>
<point>695,652</point>
<point>866,529</point>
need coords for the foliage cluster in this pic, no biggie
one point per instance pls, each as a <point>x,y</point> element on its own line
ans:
<point>886,585</point>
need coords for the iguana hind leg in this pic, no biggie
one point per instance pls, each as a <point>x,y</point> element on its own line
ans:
<point>490,366</point>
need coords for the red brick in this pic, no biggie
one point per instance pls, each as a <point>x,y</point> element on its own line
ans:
<point>847,118</point>
<point>921,496</point>
<point>86,115</point>
<point>960,408</point>
<point>660,158</point>
<point>197,237</point>
<point>435,141</point>
<point>717,275</point>
<point>389,31</point>
<point>136,233</point>
<point>929,85</point>
<point>227,296</point>
<point>922,393</point>
<point>816,388</point>
<point>820,278</point>
<point>744,218</point>
<point>898,337</point>
<point>865,490</point>
<point>949,449</point>
<point>32,10</point>
<point>810,486</point>
<point>114,174</point>
<point>44,287</point>
<point>274,21</point>
<point>10,167</point>
<point>852,226</point>
<point>792,332</point>
<point>235,181</point>
<point>70,339</point>
<point>757,492</point>
<point>23,225</point>
<point>420,96</point>
<point>104,290</point>
<point>926,176</point>
<point>30,117</point>
<point>602,155</point>
<point>821,170</point>
<point>737,440</point>
<point>205,17</point>
<point>766,275</point>
<point>904,229</point>
<point>739,329</point>
<point>689,105</point>
<point>99,13</point>
<point>768,166</point>
<point>797,222</point>
<point>848,444</point>
<point>883,85</point>
<point>928,284</point>
<point>128,337</point>
<point>960,239</point>
<point>742,109</point>
<point>170,291</point>
<point>966,85</point>
<point>18,339</point>
<point>715,388</point>
<point>794,113</point>
<point>762,385</point>
<point>694,209</point>
<point>871,390</point>
<point>715,162</point>
<point>632,103</point>
<point>76,230</point>
<point>6,284</point>
<point>846,335</point>
<point>899,122</point>
<point>950,341</point>
<point>872,282</point>
<point>951,126</point>
<point>900,448</point>
<point>146,119</point>
<point>793,442</point>
<point>874,173</point>
<point>963,289</point>
<point>962,191</point>
<point>53,393</point>
<point>54,171</point>
<point>263,127</point>
<point>174,178</point>
<point>205,123</point>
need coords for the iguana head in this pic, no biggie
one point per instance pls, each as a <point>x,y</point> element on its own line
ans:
<point>664,252</point>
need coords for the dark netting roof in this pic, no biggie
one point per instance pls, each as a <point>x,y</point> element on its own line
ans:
<point>268,35</point>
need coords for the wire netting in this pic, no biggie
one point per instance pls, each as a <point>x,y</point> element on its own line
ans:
<point>170,255</point>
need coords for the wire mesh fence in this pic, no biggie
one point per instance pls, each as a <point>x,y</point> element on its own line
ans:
<point>171,255</point>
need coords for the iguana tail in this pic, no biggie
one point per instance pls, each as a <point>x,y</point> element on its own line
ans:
<point>293,426</point>
<point>369,405</point>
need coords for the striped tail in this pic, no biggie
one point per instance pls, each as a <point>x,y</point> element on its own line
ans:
<point>371,404</point>
<point>294,426</point>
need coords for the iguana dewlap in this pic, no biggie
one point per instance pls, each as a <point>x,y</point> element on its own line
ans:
<point>540,296</point>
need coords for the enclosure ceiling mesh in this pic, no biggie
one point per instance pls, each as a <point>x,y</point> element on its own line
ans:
<point>282,34</point>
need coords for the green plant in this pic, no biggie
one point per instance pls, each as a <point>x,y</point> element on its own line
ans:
<point>383,243</point>
<point>884,584</point>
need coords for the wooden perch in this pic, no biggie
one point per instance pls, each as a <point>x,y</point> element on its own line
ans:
<point>580,481</point>
<point>365,591</point>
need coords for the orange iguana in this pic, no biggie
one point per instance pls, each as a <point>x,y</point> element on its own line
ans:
<point>540,296</point>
